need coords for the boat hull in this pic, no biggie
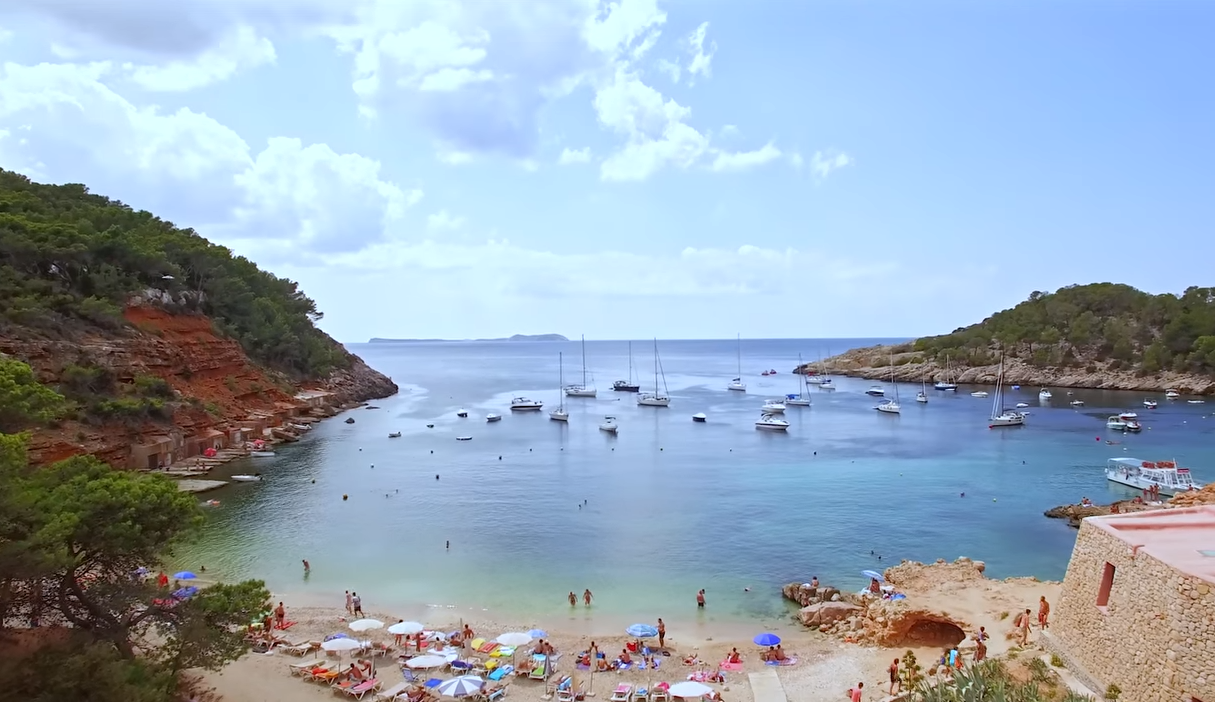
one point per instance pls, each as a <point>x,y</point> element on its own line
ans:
<point>771,427</point>
<point>559,416</point>
<point>797,402</point>
<point>737,387</point>
<point>621,386</point>
<point>945,386</point>
<point>999,422</point>
<point>247,478</point>
<point>493,418</point>
<point>888,410</point>
<point>581,392</point>
<point>773,409</point>
<point>526,408</point>
<point>699,418</point>
<point>654,402</point>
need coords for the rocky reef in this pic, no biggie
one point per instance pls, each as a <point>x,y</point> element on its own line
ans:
<point>1074,514</point>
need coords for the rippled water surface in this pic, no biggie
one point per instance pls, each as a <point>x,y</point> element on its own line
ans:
<point>534,508</point>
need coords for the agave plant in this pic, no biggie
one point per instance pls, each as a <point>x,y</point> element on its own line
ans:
<point>990,681</point>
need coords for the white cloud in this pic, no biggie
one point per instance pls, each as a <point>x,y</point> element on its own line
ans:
<point>453,157</point>
<point>701,60</point>
<point>569,156</point>
<point>745,160</point>
<point>5,35</point>
<point>671,69</point>
<point>443,221</point>
<point>823,163</point>
<point>239,49</point>
<point>653,127</point>
<point>796,160</point>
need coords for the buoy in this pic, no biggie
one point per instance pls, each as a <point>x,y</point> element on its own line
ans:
<point>314,481</point>
<point>436,476</point>
<point>659,448</point>
<point>345,497</point>
<point>993,499</point>
<point>499,458</point>
<point>373,465</point>
<point>432,450</point>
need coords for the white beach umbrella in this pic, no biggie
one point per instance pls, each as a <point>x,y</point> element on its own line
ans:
<point>366,624</point>
<point>341,645</point>
<point>461,686</point>
<point>426,662</point>
<point>514,638</point>
<point>689,689</point>
<point>406,628</point>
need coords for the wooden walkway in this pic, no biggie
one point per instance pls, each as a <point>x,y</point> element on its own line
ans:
<point>766,687</point>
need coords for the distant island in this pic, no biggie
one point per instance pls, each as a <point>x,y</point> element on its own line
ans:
<point>516,337</point>
<point>1102,335</point>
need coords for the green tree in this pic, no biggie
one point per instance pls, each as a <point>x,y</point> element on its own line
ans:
<point>23,400</point>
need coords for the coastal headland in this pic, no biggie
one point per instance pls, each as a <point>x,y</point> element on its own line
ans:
<point>1100,336</point>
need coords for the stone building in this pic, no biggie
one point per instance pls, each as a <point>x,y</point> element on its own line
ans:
<point>1138,605</point>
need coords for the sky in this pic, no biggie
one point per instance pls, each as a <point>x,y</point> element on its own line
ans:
<point>639,168</point>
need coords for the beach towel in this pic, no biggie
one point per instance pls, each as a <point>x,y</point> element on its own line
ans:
<point>283,626</point>
<point>488,647</point>
<point>787,661</point>
<point>501,672</point>
<point>733,667</point>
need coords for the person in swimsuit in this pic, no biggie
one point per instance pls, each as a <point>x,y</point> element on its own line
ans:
<point>573,599</point>
<point>587,597</point>
<point>662,634</point>
<point>700,599</point>
<point>1043,612</point>
<point>1024,628</point>
<point>894,677</point>
<point>280,615</point>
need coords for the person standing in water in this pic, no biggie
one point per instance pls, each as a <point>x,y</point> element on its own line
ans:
<point>573,599</point>
<point>700,599</point>
<point>586,597</point>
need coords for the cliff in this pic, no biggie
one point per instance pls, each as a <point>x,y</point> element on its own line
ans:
<point>874,363</point>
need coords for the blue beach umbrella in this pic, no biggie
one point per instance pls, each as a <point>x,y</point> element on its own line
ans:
<point>641,631</point>
<point>538,634</point>
<point>184,575</point>
<point>766,639</point>
<point>874,575</point>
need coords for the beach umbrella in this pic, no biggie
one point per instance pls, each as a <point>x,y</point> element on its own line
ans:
<point>406,628</point>
<point>339,635</point>
<point>514,638</point>
<point>641,631</point>
<point>874,575</point>
<point>427,661</point>
<point>341,645</point>
<point>766,639</point>
<point>461,686</point>
<point>365,624</point>
<point>184,575</point>
<point>689,689</point>
<point>538,634</point>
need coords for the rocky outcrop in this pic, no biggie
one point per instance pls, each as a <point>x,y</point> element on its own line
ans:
<point>358,383</point>
<point>1203,496</point>
<point>806,594</point>
<point>874,363</point>
<point>913,575</point>
<point>1074,514</point>
<point>824,614</point>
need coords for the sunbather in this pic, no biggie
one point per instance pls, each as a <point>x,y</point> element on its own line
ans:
<point>769,655</point>
<point>601,665</point>
<point>625,658</point>
<point>779,654</point>
<point>735,656</point>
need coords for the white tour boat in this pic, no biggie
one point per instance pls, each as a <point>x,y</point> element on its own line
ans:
<point>1166,476</point>
<point>559,414</point>
<point>700,418</point>
<point>609,425</point>
<point>771,423</point>
<point>585,389</point>
<point>737,384</point>
<point>522,404</point>
<point>1150,404</point>
<point>658,398</point>
<point>491,417</point>
<point>1044,394</point>
<point>773,407</point>
<point>1001,416</point>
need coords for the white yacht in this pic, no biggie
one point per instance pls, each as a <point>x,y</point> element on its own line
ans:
<point>922,395</point>
<point>1022,405</point>
<point>1165,476</point>
<point>462,413</point>
<point>826,384</point>
<point>1001,416</point>
<point>737,384</point>
<point>773,407</point>
<point>876,391</point>
<point>1076,403</point>
<point>585,389</point>
<point>609,425</point>
<point>1115,423</point>
<point>1128,415</point>
<point>1044,394</point>
<point>491,417</point>
<point>802,398</point>
<point>522,404</point>
<point>700,418</point>
<point>1171,394</point>
<point>559,414</point>
<point>771,423</point>
<point>658,398</point>
<point>979,393</point>
<point>1150,404</point>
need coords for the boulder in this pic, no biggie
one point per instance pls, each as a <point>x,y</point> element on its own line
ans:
<point>826,613</point>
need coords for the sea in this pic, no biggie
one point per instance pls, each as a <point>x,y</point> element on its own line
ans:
<point>509,522</point>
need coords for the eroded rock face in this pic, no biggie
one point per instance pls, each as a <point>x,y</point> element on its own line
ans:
<point>805,595</point>
<point>826,613</point>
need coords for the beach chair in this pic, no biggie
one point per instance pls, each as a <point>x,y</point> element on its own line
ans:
<point>660,694</point>
<point>557,684</point>
<point>391,693</point>
<point>640,694</point>
<point>301,668</point>
<point>310,674</point>
<point>496,694</point>
<point>622,692</point>
<point>301,648</point>
<point>410,676</point>
<point>500,673</point>
<point>540,669</point>
<point>363,688</point>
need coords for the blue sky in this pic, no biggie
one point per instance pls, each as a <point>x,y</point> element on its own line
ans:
<point>674,169</point>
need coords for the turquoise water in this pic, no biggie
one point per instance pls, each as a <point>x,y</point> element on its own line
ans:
<point>670,506</point>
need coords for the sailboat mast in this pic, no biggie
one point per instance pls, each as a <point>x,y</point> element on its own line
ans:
<point>630,363</point>
<point>584,360</point>
<point>560,381</point>
<point>655,366</point>
<point>739,355</point>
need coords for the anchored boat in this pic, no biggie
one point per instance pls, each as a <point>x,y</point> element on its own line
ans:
<point>1166,476</point>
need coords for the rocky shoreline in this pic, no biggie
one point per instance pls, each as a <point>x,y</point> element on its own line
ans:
<point>874,363</point>
<point>1074,514</point>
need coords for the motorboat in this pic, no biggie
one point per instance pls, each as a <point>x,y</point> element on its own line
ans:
<point>1076,403</point>
<point>921,396</point>
<point>522,404</point>
<point>700,417</point>
<point>262,454</point>
<point>1044,394</point>
<point>248,478</point>
<point>1022,405</point>
<point>771,371</point>
<point>1115,423</point>
<point>658,398</point>
<point>1195,402</point>
<point>979,393</point>
<point>765,373</point>
<point>773,407</point>
<point>1150,404</point>
<point>1172,394</point>
<point>942,385</point>
<point>889,407</point>
<point>300,427</point>
<point>1128,415</point>
<point>609,425</point>
<point>876,391</point>
<point>463,438</point>
<point>430,426</point>
<point>1002,416</point>
<point>584,389</point>
<point>394,434</point>
<point>491,417</point>
<point>462,413</point>
<point>1166,476</point>
<point>1133,426</point>
<point>771,422</point>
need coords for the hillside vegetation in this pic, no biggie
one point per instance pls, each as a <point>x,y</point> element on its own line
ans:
<point>70,260</point>
<point>1099,326</point>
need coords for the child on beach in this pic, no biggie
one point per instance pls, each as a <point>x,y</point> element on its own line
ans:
<point>854,694</point>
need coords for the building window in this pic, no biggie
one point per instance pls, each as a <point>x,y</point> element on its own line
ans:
<point>1107,582</point>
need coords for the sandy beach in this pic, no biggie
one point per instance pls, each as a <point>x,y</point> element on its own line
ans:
<point>826,665</point>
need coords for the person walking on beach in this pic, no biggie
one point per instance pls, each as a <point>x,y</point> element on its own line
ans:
<point>357,603</point>
<point>573,599</point>
<point>894,677</point>
<point>587,597</point>
<point>1023,627</point>
<point>662,634</point>
<point>700,599</point>
<point>1043,612</point>
<point>349,603</point>
<point>398,639</point>
<point>854,694</point>
<point>981,644</point>
<point>280,615</point>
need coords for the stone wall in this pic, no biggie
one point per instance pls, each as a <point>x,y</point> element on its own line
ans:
<point>1155,637</point>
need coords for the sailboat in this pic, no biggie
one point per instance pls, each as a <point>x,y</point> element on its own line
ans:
<point>559,414</point>
<point>583,390</point>
<point>802,398</point>
<point>948,382</point>
<point>658,398</point>
<point>922,395</point>
<point>891,406</point>
<point>737,384</point>
<point>824,383</point>
<point>1000,416</point>
<point>627,385</point>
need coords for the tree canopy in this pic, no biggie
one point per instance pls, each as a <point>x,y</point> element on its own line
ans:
<point>73,536</point>
<point>69,259</point>
<point>1081,325</point>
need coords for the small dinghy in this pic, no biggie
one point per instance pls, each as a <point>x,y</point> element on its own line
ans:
<point>609,425</point>
<point>350,420</point>
<point>1076,403</point>
<point>491,417</point>
<point>463,438</point>
<point>262,454</point>
<point>430,426</point>
<point>462,413</point>
<point>394,435</point>
<point>247,478</point>
<point>700,417</point>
